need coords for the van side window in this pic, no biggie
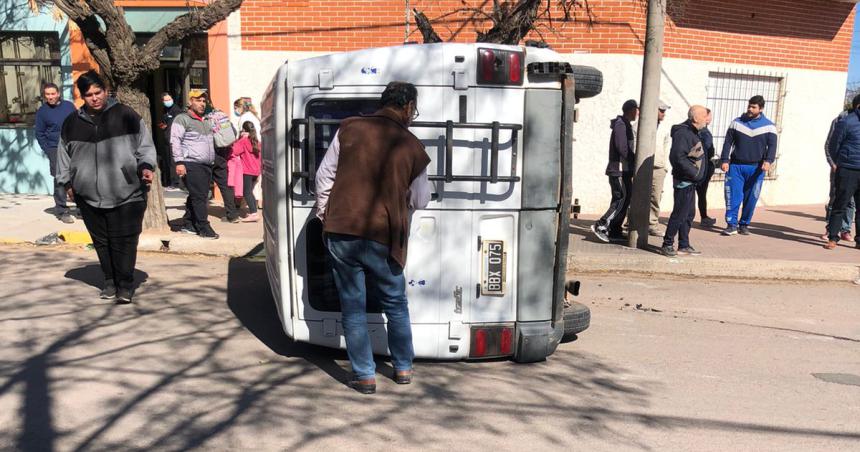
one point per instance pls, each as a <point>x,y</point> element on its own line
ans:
<point>336,109</point>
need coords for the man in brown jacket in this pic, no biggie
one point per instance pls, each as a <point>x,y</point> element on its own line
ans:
<point>372,177</point>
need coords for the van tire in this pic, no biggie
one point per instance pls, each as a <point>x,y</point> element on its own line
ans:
<point>577,318</point>
<point>589,81</point>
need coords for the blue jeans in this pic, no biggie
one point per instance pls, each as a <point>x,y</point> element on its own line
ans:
<point>361,266</point>
<point>743,185</point>
<point>849,214</point>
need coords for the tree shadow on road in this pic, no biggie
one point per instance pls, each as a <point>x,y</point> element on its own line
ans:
<point>180,371</point>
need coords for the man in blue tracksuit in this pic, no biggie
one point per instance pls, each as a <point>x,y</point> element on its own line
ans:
<point>748,152</point>
<point>844,148</point>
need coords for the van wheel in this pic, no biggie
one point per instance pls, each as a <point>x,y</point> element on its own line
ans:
<point>589,81</point>
<point>577,318</point>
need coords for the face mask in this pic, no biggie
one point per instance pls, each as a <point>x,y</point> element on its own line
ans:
<point>237,113</point>
<point>168,103</point>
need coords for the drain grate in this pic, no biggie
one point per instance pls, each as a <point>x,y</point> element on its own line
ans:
<point>842,379</point>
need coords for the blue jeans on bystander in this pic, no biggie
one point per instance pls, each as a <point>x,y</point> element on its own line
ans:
<point>357,263</point>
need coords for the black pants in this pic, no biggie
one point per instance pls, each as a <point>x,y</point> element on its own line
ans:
<point>219,174</point>
<point>168,167</point>
<point>612,220</point>
<point>702,191</point>
<point>847,188</point>
<point>248,182</point>
<point>115,233</point>
<point>60,202</point>
<point>682,216</point>
<point>198,176</point>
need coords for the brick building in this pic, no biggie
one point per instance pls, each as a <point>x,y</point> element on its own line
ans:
<point>717,52</point>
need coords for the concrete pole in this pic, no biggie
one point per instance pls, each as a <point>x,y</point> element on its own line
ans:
<point>646,137</point>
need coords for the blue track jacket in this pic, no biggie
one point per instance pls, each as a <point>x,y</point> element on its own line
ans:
<point>750,141</point>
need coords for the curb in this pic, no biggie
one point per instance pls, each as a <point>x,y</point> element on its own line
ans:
<point>176,243</point>
<point>747,269</point>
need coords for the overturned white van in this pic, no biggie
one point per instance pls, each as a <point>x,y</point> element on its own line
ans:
<point>486,265</point>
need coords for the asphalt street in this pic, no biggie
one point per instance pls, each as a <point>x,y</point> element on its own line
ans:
<point>200,362</point>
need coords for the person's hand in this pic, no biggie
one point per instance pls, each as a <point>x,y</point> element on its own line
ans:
<point>765,166</point>
<point>180,170</point>
<point>70,193</point>
<point>146,176</point>
<point>162,125</point>
<point>832,167</point>
<point>725,167</point>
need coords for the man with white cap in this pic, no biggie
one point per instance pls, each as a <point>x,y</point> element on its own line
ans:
<point>661,168</point>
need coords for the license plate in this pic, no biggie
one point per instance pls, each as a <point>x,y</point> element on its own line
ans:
<point>493,269</point>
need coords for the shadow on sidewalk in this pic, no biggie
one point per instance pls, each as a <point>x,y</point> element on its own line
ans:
<point>582,228</point>
<point>799,214</point>
<point>786,233</point>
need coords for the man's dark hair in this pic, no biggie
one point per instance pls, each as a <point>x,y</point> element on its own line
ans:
<point>166,94</point>
<point>399,94</point>
<point>855,104</point>
<point>50,85</point>
<point>757,100</point>
<point>89,79</point>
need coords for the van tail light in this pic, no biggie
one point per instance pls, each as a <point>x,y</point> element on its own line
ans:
<point>489,341</point>
<point>515,67</point>
<point>487,62</point>
<point>500,67</point>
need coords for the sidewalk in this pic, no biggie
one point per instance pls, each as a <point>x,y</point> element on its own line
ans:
<point>785,244</point>
<point>27,218</point>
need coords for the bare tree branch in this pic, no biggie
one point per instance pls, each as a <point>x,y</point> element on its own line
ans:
<point>426,28</point>
<point>195,21</point>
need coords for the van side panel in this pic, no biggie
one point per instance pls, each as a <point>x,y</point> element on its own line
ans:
<point>541,156</point>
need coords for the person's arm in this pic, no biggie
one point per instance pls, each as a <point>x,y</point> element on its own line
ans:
<point>325,176</point>
<point>41,131</point>
<point>420,191</point>
<point>64,163</point>
<point>830,136</point>
<point>725,156</point>
<point>770,155</point>
<point>619,139</point>
<point>177,131</point>
<point>838,138</point>
<point>145,154</point>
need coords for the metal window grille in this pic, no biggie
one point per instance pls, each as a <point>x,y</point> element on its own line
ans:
<point>27,61</point>
<point>728,95</point>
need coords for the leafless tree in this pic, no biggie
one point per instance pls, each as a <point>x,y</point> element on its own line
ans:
<point>123,62</point>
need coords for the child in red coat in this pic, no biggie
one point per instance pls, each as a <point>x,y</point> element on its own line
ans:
<point>247,149</point>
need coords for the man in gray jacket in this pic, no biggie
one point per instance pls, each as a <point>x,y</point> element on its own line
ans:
<point>105,161</point>
<point>193,150</point>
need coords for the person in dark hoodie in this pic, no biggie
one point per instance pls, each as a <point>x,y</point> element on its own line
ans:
<point>844,148</point>
<point>748,151</point>
<point>106,162</point>
<point>702,189</point>
<point>622,161</point>
<point>689,166</point>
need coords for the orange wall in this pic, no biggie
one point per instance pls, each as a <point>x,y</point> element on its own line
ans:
<point>813,34</point>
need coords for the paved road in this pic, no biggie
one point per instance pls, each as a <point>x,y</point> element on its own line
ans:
<point>200,363</point>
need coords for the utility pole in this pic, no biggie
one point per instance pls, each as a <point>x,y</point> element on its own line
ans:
<point>646,137</point>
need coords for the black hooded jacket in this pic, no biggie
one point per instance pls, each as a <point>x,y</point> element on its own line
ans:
<point>688,154</point>
<point>622,157</point>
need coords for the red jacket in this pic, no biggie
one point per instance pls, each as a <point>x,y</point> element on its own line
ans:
<point>243,149</point>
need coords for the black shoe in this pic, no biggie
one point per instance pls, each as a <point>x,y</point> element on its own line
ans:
<point>123,296</point>
<point>109,291</point>
<point>188,230</point>
<point>743,230</point>
<point>208,233</point>
<point>668,250</point>
<point>708,222</point>
<point>689,251</point>
<point>231,220</point>
<point>66,218</point>
<point>731,230</point>
<point>364,386</point>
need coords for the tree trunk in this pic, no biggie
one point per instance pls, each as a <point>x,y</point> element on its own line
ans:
<point>155,218</point>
